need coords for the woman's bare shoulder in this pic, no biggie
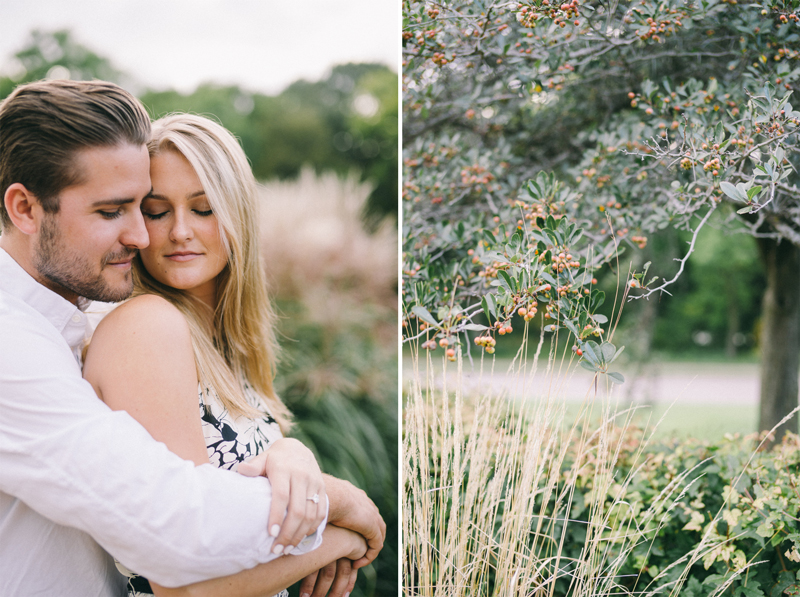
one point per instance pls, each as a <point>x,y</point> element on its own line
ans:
<point>145,332</point>
<point>144,317</point>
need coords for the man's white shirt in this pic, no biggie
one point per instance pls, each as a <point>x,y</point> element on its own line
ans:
<point>79,481</point>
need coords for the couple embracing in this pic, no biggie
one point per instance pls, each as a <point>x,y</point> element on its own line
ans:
<point>159,449</point>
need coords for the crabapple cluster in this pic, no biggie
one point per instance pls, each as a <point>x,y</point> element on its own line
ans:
<point>487,342</point>
<point>528,14</point>
<point>563,262</point>
<point>712,165</point>
<point>429,345</point>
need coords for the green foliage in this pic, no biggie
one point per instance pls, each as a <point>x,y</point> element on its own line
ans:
<point>45,51</point>
<point>340,382</point>
<point>347,121</point>
<point>720,293</point>
<point>739,508</point>
<point>512,275</point>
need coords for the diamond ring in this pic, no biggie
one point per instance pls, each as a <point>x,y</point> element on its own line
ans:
<point>314,498</point>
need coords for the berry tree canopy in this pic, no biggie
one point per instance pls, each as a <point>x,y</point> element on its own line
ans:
<point>539,136</point>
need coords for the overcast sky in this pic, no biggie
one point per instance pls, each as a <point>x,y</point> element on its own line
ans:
<point>262,45</point>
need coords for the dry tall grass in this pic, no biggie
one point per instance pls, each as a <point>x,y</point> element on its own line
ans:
<point>479,473</point>
<point>316,248</point>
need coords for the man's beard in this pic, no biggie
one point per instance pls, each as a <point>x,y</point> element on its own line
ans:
<point>72,271</point>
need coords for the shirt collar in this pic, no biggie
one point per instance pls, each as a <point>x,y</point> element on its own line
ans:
<point>67,318</point>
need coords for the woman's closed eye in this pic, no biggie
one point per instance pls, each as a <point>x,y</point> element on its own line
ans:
<point>204,213</point>
<point>154,215</point>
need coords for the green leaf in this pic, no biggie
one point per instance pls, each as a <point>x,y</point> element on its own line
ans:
<point>509,281</point>
<point>475,327</point>
<point>492,305</point>
<point>571,327</point>
<point>616,354</point>
<point>600,318</point>
<point>753,191</point>
<point>588,365</point>
<point>486,311</point>
<point>616,377</point>
<point>591,352</point>
<point>732,192</point>
<point>765,530</point>
<point>608,351</point>
<point>425,315</point>
<point>548,278</point>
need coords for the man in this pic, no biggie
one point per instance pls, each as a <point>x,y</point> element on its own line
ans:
<point>76,479</point>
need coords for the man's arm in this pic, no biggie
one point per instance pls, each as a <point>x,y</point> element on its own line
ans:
<point>69,457</point>
<point>351,508</point>
<point>269,578</point>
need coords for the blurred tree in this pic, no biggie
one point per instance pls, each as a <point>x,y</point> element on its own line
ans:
<point>56,55</point>
<point>347,121</point>
<point>344,122</point>
<point>720,302</point>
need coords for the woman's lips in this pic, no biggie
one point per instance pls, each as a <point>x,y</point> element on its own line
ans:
<point>182,256</point>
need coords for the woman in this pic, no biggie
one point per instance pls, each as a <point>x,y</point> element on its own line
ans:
<point>198,335</point>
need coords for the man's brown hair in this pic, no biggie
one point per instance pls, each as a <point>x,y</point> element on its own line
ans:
<point>44,124</point>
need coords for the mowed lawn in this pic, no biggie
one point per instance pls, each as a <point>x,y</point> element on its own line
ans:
<point>700,400</point>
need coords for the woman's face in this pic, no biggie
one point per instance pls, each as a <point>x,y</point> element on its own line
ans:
<point>186,250</point>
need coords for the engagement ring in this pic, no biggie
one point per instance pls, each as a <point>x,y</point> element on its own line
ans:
<point>314,498</point>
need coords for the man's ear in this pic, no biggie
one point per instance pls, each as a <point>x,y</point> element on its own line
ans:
<point>23,208</point>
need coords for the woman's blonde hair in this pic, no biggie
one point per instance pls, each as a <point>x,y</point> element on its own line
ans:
<point>240,345</point>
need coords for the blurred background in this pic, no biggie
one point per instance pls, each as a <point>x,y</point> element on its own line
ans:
<point>312,95</point>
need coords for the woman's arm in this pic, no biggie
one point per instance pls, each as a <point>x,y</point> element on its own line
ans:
<point>141,360</point>
<point>274,576</point>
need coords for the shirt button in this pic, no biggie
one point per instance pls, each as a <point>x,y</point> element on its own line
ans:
<point>76,318</point>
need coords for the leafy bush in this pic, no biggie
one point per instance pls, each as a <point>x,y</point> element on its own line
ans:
<point>336,286</point>
<point>737,510</point>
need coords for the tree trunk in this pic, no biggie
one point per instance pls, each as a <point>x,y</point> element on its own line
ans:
<point>780,337</point>
<point>733,318</point>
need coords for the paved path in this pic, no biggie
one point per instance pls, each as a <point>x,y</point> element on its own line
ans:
<point>699,384</point>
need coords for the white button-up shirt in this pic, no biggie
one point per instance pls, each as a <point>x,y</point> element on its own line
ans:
<point>79,481</point>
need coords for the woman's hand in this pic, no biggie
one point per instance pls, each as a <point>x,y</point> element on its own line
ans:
<point>295,478</point>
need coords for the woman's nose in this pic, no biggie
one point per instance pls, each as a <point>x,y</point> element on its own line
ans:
<point>181,230</point>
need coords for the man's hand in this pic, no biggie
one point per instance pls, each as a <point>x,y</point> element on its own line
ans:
<point>352,509</point>
<point>295,477</point>
<point>338,577</point>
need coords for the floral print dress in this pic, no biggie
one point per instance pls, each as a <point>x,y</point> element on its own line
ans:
<point>229,440</point>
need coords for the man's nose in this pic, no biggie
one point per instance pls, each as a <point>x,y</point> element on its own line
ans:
<point>135,233</point>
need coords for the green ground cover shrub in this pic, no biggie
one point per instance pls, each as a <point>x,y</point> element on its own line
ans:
<point>736,510</point>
